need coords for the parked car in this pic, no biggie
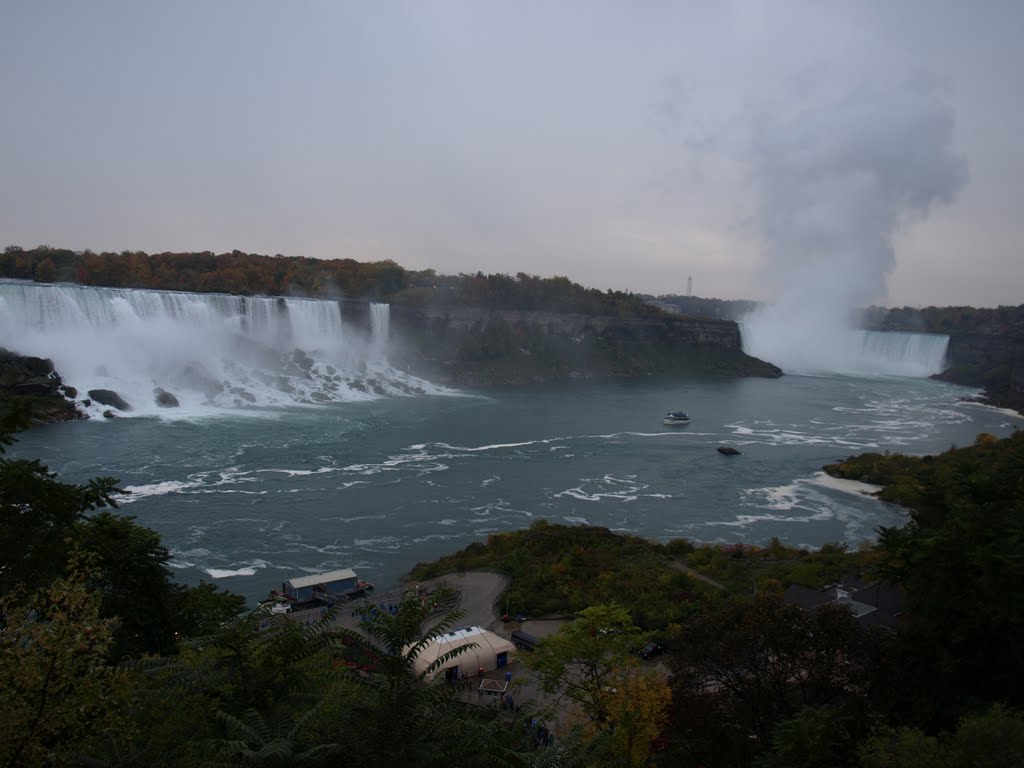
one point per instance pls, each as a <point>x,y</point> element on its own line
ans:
<point>651,650</point>
<point>524,640</point>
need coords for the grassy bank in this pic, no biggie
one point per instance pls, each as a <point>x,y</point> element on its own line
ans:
<point>558,569</point>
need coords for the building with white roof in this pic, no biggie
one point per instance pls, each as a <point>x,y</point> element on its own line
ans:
<point>303,588</point>
<point>484,650</point>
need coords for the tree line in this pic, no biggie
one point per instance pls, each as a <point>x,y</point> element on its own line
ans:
<point>254,274</point>
<point>998,321</point>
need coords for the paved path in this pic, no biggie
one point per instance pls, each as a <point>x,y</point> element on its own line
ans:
<point>680,566</point>
<point>480,590</point>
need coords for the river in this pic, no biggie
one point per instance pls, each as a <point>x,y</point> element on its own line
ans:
<point>247,497</point>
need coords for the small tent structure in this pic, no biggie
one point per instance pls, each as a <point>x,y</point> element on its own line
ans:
<point>491,652</point>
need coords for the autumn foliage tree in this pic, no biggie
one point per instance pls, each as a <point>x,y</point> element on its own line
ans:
<point>59,693</point>
<point>637,702</point>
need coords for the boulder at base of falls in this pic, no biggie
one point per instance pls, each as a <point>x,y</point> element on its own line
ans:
<point>31,385</point>
<point>728,450</point>
<point>165,399</point>
<point>109,397</point>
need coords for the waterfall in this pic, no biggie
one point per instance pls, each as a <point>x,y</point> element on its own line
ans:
<point>380,323</point>
<point>821,348</point>
<point>910,354</point>
<point>45,309</point>
<point>208,350</point>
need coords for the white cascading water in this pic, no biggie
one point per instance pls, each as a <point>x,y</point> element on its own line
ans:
<point>208,350</point>
<point>914,354</point>
<point>814,348</point>
<point>380,324</point>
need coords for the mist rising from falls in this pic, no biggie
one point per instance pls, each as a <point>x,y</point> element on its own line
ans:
<point>208,350</point>
<point>839,173</point>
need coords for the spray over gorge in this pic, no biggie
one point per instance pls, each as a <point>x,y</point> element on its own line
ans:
<point>837,177</point>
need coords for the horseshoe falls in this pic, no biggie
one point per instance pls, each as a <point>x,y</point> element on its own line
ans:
<point>905,354</point>
<point>210,351</point>
<point>822,349</point>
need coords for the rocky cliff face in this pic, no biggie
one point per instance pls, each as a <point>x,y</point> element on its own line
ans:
<point>32,384</point>
<point>692,331</point>
<point>995,362</point>
<point>477,347</point>
<point>980,359</point>
<point>986,346</point>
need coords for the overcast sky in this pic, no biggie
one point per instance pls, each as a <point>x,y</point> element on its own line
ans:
<point>623,144</point>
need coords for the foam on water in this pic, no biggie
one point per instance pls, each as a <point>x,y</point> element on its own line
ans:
<point>501,509</point>
<point>1012,414</point>
<point>816,499</point>
<point>217,573</point>
<point>610,488</point>
<point>231,570</point>
<point>156,489</point>
<point>845,485</point>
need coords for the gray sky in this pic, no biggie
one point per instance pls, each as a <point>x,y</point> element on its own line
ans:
<point>624,144</point>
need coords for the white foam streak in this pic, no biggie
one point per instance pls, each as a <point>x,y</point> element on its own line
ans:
<point>610,488</point>
<point>218,573</point>
<point>156,489</point>
<point>845,485</point>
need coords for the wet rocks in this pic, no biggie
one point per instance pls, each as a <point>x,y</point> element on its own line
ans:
<point>165,399</point>
<point>109,397</point>
<point>727,450</point>
<point>31,384</point>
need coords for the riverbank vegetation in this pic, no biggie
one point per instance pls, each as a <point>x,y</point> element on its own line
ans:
<point>105,661</point>
<point>560,569</point>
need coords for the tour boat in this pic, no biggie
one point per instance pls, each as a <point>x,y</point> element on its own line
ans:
<point>676,417</point>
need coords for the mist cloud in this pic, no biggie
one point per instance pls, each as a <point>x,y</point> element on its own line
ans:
<point>837,177</point>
